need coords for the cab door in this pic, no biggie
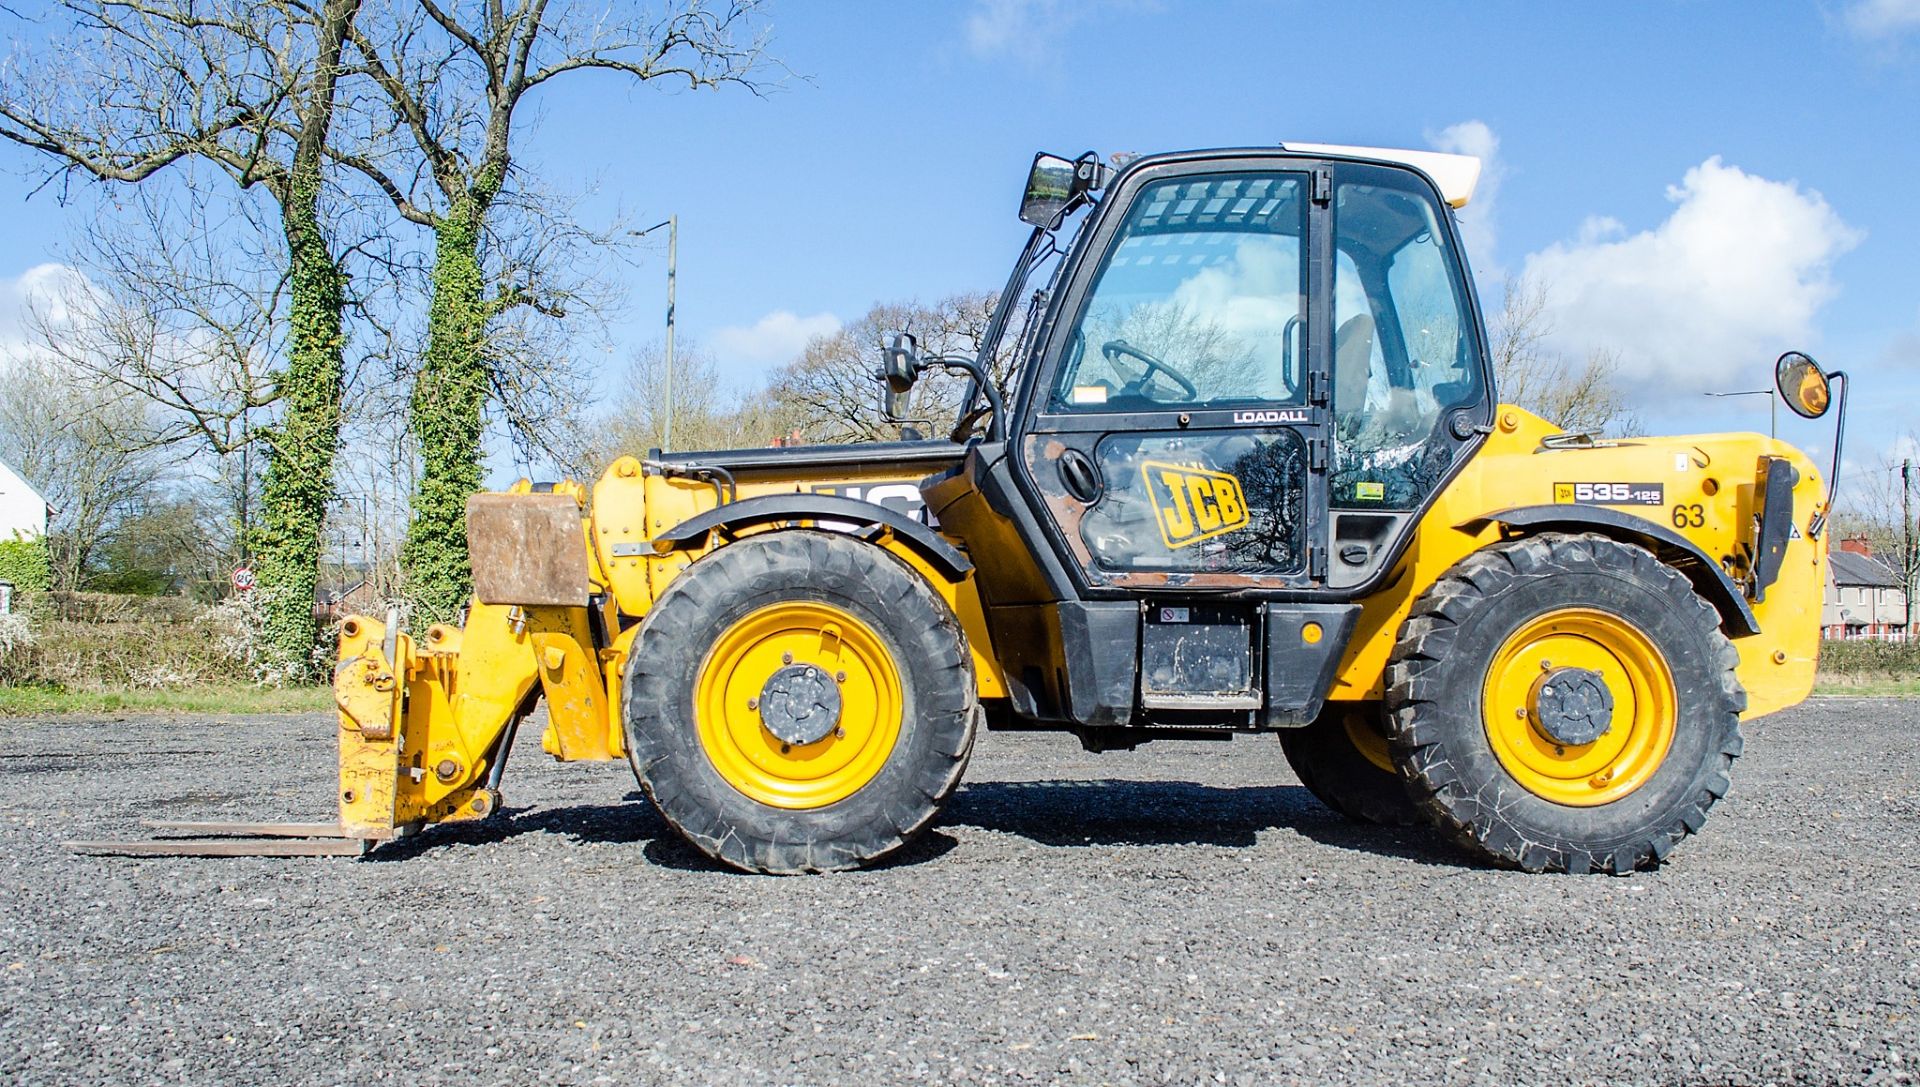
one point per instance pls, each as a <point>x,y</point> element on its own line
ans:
<point>1177,432</point>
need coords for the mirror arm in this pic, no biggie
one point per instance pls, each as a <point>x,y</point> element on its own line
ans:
<point>1839,442</point>
<point>997,409</point>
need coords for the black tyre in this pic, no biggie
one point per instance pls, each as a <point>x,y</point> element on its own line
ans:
<point>1565,703</point>
<point>799,701</point>
<point>1342,759</point>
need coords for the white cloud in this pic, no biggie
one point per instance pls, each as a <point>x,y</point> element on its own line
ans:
<point>777,338</point>
<point>1883,18</point>
<point>1477,226</point>
<point>1734,276</point>
<point>1024,29</point>
<point>44,287</point>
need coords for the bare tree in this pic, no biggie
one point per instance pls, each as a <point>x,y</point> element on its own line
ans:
<point>707,413</point>
<point>1587,395</point>
<point>91,454</point>
<point>830,393</point>
<point>247,86</point>
<point>174,304</point>
<point>1882,505</point>
<point>453,77</point>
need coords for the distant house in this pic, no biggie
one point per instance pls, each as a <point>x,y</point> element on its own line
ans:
<point>23,512</point>
<point>1864,596</point>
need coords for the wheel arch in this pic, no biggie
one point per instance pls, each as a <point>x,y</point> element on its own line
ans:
<point>864,520</point>
<point>1709,580</point>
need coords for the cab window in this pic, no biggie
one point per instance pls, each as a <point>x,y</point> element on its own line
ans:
<point>1199,303</point>
<point>1404,349</point>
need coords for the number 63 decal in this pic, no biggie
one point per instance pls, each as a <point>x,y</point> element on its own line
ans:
<point>1689,515</point>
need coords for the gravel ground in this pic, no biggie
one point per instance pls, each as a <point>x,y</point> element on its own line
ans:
<point>1182,914</point>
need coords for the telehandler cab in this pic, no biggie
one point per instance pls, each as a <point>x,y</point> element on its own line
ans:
<point>1251,476</point>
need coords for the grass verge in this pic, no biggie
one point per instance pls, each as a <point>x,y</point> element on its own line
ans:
<point>1867,687</point>
<point>232,698</point>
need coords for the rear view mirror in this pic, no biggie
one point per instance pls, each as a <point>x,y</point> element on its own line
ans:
<point>900,364</point>
<point>1803,385</point>
<point>1049,188</point>
<point>893,406</point>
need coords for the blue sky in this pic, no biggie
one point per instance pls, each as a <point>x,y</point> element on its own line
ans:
<point>1704,184</point>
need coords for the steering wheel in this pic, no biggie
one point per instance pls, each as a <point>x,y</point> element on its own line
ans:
<point>1113,349</point>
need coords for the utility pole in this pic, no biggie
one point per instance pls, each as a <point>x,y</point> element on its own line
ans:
<point>1908,560</point>
<point>1773,407</point>
<point>672,223</point>
<point>673,252</point>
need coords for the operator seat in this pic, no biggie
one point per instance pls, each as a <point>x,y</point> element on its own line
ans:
<point>1352,366</point>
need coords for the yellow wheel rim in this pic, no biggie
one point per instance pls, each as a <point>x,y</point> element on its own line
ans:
<point>734,680</point>
<point>1638,732</point>
<point>1364,731</point>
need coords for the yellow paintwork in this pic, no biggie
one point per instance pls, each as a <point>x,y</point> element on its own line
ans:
<point>1363,730</point>
<point>727,696</point>
<point>416,730</point>
<point>1645,707</point>
<point>1512,469</point>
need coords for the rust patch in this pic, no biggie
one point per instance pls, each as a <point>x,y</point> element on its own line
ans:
<point>527,549</point>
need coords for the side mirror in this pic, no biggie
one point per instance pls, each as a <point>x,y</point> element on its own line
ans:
<point>893,405</point>
<point>1050,186</point>
<point>900,364</point>
<point>1803,385</point>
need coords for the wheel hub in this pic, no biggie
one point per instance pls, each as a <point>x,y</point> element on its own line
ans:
<point>1572,706</point>
<point>800,704</point>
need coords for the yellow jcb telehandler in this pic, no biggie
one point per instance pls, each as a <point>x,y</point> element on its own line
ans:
<point>1251,476</point>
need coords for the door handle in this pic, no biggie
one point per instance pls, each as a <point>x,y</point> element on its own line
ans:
<point>1079,476</point>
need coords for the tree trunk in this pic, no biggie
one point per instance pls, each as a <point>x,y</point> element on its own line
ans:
<point>298,482</point>
<point>448,398</point>
<point>299,476</point>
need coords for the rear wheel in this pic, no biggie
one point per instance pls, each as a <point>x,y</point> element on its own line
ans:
<point>1343,761</point>
<point>799,701</point>
<point>1565,703</point>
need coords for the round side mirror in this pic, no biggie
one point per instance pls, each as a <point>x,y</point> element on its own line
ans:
<point>1803,385</point>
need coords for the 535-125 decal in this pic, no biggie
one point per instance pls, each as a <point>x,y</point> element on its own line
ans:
<point>1611,494</point>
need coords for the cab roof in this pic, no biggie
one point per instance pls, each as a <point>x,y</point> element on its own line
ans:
<point>1456,175</point>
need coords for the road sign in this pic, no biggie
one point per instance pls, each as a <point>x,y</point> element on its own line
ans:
<point>243,579</point>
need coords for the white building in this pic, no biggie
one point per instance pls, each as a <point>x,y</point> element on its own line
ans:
<point>1864,598</point>
<point>23,512</point>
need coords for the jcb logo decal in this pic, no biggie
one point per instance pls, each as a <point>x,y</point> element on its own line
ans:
<point>1193,504</point>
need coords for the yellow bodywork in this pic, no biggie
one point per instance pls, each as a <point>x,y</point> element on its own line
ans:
<point>423,721</point>
<point>1715,472</point>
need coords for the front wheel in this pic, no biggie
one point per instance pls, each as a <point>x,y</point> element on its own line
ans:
<point>799,701</point>
<point>1342,759</point>
<point>1565,703</point>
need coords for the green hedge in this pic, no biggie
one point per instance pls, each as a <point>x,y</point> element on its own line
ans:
<point>1863,657</point>
<point>25,563</point>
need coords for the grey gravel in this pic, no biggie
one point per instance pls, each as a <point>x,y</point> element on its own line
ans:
<point>1180,914</point>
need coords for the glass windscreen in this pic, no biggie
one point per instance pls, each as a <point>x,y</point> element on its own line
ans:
<point>1404,350</point>
<point>1199,303</point>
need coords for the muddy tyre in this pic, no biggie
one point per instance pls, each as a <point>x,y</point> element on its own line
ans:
<point>1565,703</point>
<point>799,701</point>
<point>1342,759</point>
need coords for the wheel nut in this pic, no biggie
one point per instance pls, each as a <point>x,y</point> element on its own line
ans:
<point>786,658</point>
<point>839,733</point>
<point>839,677</point>
<point>753,703</point>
